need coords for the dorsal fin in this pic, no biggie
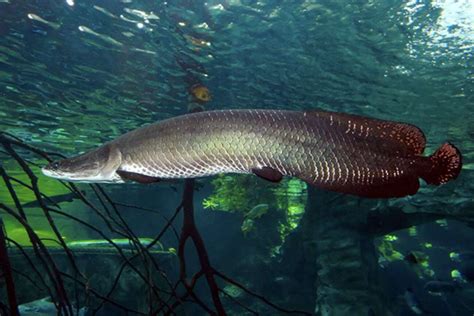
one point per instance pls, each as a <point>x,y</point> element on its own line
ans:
<point>389,136</point>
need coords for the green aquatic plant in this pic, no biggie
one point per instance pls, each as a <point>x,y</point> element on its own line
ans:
<point>254,198</point>
<point>230,194</point>
<point>20,184</point>
<point>48,186</point>
<point>291,196</point>
<point>387,253</point>
<point>20,235</point>
<point>390,238</point>
<point>210,204</point>
<point>134,271</point>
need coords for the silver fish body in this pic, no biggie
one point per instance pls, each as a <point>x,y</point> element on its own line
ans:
<point>340,152</point>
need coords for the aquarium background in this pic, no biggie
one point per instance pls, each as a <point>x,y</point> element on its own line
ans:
<point>75,74</point>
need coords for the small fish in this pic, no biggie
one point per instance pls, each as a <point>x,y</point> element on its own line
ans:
<point>233,291</point>
<point>257,211</point>
<point>200,93</point>
<point>103,37</point>
<point>413,303</point>
<point>54,200</point>
<point>462,256</point>
<point>35,17</point>
<point>465,273</point>
<point>44,307</point>
<point>123,243</point>
<point>197,41</point>
<point>441,287</point>
<point>248,225</point>
<point>282,280</point>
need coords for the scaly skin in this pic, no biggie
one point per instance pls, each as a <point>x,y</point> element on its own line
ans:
<point>335,151</point>
<point>319,147</point>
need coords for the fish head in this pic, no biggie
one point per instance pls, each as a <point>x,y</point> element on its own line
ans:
<point>96,166</point>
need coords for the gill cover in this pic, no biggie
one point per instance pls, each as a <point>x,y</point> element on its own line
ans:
<point>113,162</point>
<point>98,165</point>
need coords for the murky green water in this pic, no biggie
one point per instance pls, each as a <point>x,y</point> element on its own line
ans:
<point>67,70</point>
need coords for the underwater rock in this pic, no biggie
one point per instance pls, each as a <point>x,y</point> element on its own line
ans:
<point>347,281</point>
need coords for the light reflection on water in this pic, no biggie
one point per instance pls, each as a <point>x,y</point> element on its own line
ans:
<point>67,68</point>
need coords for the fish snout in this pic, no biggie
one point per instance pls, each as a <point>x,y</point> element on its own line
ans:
<point>51,168</point>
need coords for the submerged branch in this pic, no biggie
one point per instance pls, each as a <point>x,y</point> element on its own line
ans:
<point>7,273</point>
<point>161,299</point>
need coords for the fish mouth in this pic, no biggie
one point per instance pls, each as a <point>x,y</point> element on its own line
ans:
<point>53,174</point>
<point>48,172</point>
<point>96,178</point>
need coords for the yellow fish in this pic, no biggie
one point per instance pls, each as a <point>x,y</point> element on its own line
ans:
<point>200,93</point>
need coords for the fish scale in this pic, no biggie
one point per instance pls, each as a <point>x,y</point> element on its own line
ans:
<point>293,143</point>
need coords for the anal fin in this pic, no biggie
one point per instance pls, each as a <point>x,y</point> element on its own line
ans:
<point>137,177</point>
<point>268,174</point>
<point>400,187</point>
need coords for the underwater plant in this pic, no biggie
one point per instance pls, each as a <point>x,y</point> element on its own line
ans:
<point>125,265</point>
<point>254,198</point>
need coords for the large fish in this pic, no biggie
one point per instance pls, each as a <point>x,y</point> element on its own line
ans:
<point>335,151</point>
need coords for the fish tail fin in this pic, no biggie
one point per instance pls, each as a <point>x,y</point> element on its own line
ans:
<point>443,166</point>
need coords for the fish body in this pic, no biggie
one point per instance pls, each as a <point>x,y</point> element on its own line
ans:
<point>247,226</point>
<point>335,151</point>
<point>464,273</point>
<point>257,211</point>
<point>413,303</point>
<point>441,287</point>
<point>462,256</point>
<point>123,243</point>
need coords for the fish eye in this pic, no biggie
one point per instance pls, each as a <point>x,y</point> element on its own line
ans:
<point>55,165</point>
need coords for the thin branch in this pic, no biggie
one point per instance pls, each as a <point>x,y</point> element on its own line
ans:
<point>109,213</point>
<point>7,273</point>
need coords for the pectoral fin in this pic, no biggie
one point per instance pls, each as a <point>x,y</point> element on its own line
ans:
<point>137,177</point>
<point>268,174</point>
